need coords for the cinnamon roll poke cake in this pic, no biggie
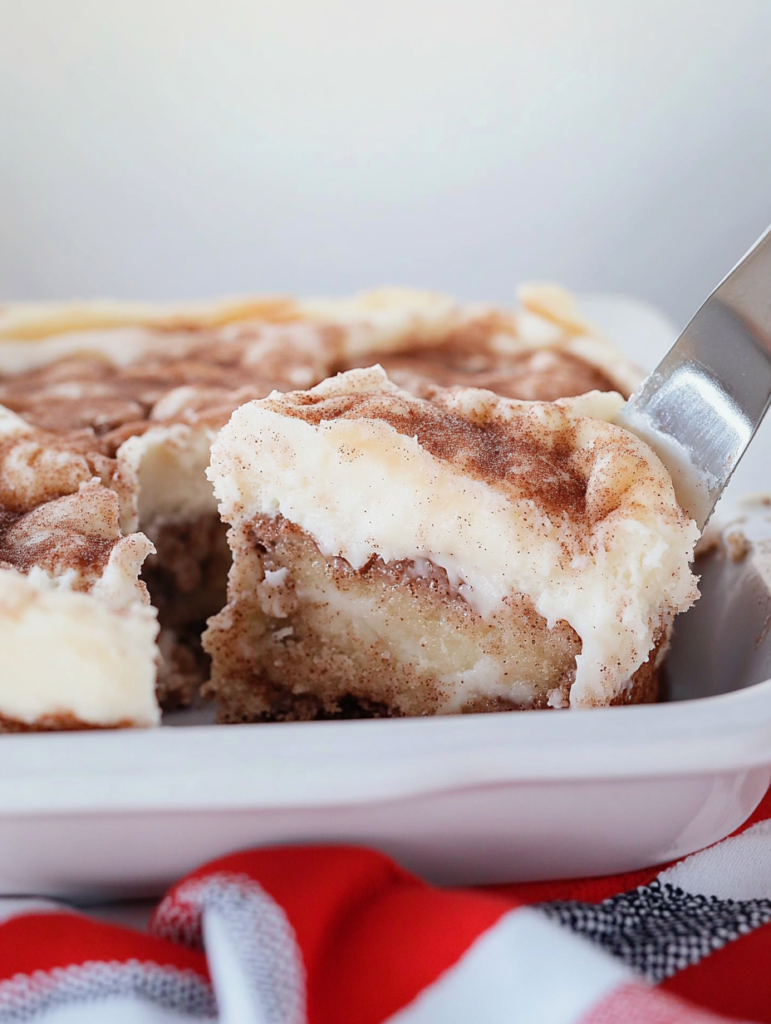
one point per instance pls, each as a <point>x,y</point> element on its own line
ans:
<point>134,396</point>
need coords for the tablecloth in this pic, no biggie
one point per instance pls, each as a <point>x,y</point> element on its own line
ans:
<point>343,935</point>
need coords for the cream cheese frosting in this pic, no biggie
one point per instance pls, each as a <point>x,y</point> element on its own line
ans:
<point>163,474</point>
<point>580,516</point>
<point>69,658</point>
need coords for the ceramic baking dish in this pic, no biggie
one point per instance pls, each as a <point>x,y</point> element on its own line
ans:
<point>472,799</point>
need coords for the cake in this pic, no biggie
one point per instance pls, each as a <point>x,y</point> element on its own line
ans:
<point>449,552</point>
<point>143,390</point>
<point>78,635</point>
<point>543,351</point>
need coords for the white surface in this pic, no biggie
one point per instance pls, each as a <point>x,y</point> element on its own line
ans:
<point>500,978</point>
<point>166,148</point>
<point>737,869</point>
<point>477,798</point>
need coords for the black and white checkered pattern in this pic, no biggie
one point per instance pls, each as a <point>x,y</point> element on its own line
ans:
<point>658,929</point>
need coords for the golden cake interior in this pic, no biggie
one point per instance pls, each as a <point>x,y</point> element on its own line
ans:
<point>309,637</point>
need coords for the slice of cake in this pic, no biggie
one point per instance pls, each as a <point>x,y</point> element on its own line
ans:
<point>405,555</point>
<point>77,632</point>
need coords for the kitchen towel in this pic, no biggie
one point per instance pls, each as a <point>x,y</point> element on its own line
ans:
<point>343,935</point>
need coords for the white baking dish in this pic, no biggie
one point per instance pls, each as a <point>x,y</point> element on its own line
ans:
<point>473,799</point>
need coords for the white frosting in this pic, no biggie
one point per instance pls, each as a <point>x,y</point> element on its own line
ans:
<point>164,470</point>
<point>485,678</point>
<point>121,347</point>
<point>359,488</point>
<point>379,320</point>
<point>32,321</point>
<point>65,653</point>
<point>694,486</point>
<point>273,597</point>
<point>12,425</point>
<point>117,586</point>
<point>77,636</point>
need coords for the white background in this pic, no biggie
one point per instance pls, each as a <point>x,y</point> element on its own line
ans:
<point>182,148</point>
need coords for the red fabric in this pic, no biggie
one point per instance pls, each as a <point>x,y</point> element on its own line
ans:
<point>358,918</point>
<point>369,938</point>
<point>734,980</point>
<point>587,890</point>
<point>43,941</point>
<point>410,936</point>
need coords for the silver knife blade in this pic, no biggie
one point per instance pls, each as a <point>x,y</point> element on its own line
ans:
<point>701,406</point>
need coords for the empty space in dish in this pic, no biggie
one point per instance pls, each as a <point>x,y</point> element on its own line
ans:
<point>723,644</point>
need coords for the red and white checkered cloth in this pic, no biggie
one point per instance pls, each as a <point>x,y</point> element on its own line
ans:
<point>337,935</point>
